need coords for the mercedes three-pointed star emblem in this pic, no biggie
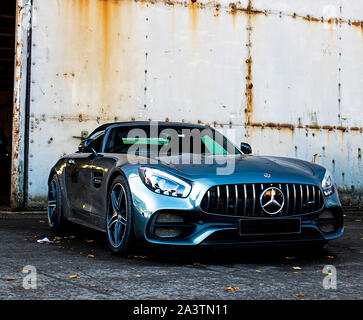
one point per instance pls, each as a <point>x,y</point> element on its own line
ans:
<point>272,200</point>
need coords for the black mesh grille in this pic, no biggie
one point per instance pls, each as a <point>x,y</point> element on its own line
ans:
<point>244,199</point>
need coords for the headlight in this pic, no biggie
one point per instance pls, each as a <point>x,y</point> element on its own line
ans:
<point>164,183</point>
<point>328,184</point>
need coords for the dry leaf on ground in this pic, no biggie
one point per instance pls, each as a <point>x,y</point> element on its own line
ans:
<point>10,279</point>
<point>232,288</point>
<point>74,276</point>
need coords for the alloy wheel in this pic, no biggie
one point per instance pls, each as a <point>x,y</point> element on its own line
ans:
<point>52,203</point>
<point>117,215</point>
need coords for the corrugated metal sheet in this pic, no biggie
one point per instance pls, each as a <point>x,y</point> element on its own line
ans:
<point>281,75</point>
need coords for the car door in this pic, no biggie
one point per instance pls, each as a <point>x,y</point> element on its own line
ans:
<point>78,175</point>
<point>102,165</point>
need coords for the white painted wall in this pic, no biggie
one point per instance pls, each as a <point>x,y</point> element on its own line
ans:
<point>89,60</point>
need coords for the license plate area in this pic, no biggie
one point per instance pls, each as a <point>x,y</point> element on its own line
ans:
<point>269,226</point>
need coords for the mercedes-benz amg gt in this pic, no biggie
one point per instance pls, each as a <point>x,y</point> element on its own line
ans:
<point>187,185</point>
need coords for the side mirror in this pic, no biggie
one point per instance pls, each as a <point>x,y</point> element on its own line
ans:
<point>83,145</point>
<point>91,150</point>
<point>246,148</point>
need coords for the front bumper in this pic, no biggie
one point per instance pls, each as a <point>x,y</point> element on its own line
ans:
<point>198,228</point>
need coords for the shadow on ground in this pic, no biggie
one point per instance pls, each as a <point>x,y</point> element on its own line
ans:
<point>79,238</point>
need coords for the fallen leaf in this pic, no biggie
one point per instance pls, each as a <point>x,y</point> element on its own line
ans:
<point>259,271</point>
<point>24,271</point>
<point>350,276</point>
<point>93,286</point>
<point>195,264</point>
<point>17,288</point>
<point>126,279</point>
<point>137,257</point>
<point>10,279</point>
<point>89,241</point>
<point>163,271</point>
<point>297,268</point>
<point>330,257</point>
<point>319,271</point>
<point>138,276</point>
<point>232,288</point>
<point>90,256</point>
<point>298,294</point>
<point>74,276</point>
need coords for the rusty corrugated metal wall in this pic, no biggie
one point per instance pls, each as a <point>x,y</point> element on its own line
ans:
<point>285,76</point>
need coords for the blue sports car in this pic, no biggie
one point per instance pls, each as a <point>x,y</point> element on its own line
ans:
<point>187,185</point>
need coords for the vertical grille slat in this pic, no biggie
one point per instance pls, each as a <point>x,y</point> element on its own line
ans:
<point>254,199</point>
<point>218,197</point>
<point>236,200</point>
<point>287,199</point>
<point>227,198</point>
<point>294,210</point>
<point>244,199</point>
<point>314,200</point>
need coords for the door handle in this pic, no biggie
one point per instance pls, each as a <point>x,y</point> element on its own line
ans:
<point>71,162</point>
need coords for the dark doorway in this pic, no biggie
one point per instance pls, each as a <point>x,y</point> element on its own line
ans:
<point>7,47</point>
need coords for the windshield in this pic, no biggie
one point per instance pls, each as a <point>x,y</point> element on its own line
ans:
<point>171,140</point>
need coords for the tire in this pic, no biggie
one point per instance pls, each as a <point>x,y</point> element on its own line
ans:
<point>119,217</point>
<point>54,208</point>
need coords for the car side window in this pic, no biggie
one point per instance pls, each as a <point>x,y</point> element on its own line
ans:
<point>114,142</point>
<point>97,139</point>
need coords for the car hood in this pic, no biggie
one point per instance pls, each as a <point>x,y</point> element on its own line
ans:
<point>241,168</point>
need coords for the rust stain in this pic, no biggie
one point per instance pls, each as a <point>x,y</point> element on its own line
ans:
<point>193,16</point>
<point>249,91</point>
<point>329,128</point>
<point>235,7</point>
<point>341,128</point>
<point>313,126</point>
<point>357,24</point>
<point>292,127</point>
<point>309,18</point>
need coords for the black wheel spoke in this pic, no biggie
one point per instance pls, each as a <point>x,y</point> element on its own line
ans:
<point>117,215</point>
<point>114,202</point>
<point>117,233</point>
<point>112,221</point>
<point>52,202</point>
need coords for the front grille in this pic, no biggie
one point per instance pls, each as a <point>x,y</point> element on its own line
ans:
<point>244,199</point>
